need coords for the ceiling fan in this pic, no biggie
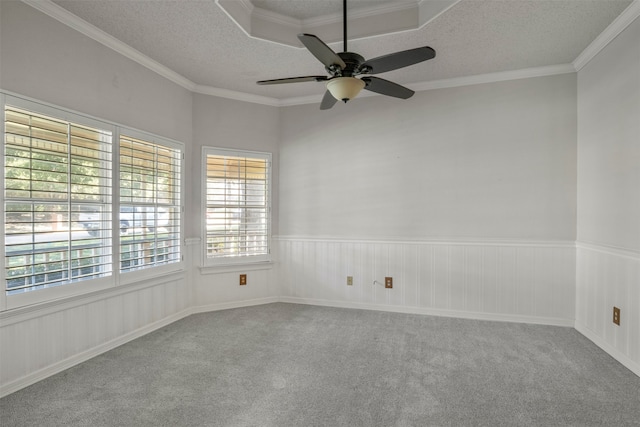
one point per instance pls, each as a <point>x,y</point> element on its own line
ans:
<point>343,67</point>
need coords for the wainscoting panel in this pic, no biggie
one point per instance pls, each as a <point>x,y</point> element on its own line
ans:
<point>37,342</point>
<point>608,277</point>
<point>218,288</point>
<point>502,280</point>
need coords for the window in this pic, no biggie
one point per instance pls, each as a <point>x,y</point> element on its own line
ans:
<point>56,172</point>
<point>149,218</point>
<point>237,209</point>
<point>83,201</point>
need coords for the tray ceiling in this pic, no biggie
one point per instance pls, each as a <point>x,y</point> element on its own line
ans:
<point>199,41</point>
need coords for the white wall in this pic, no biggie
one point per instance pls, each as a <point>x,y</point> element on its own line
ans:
<point>50,62</point>
<point>485,161</point>
<point>40,341</point>
<point>608,233</point>
<point>226,123</point>
<point>466,196</point>
<point>514,281</point>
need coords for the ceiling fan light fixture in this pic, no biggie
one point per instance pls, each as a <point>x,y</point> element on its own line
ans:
<point>345,88</point>
<point>343,66</point>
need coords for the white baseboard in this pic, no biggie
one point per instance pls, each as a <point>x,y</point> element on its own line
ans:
<point>76,359</point>
<point>612,351</point>
<point>55,368</point>
<point>433,312</point>
<point>39,375</point>
<point>234,304</point>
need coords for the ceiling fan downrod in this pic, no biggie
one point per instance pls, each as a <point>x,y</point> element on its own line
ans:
<point>344,25</point>
<point>344,68</point>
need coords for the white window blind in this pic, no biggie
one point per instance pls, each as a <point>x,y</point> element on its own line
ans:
<point>57,174</point>
<point>237,212</point>
<point>149,218</point>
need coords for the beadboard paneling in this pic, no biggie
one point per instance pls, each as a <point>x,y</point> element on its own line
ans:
<point>608,277</point>
<point>216,288</point>
<point>532,281</point>
<point>38,343</point>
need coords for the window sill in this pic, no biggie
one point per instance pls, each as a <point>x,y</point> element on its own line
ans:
<point>147,274</point>
<point>236,268</point>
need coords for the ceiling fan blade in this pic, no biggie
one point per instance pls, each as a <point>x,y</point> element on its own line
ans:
<point>293,80</point>
<point>393,61</point>
<point>385,87</point>
<point>328,101</point>
<point>321,51</point>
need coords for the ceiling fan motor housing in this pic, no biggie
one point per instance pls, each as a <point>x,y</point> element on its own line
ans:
<point>353,62</point>
<point>343,67</point>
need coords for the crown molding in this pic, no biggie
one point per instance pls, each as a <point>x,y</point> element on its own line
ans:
<point>336,18</point>
<point>238,96</point>
<point>501,76</point>
<point>398,16</point>
<point>276,18</point>
<point>247,5</point>
<point>431,10</point>
<point>67,18</point>
<point>244,9</point>
<point>630,14</point>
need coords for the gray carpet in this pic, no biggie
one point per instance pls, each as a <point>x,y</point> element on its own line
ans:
<point>295,365</point>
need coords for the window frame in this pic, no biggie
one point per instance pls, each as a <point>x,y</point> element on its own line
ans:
<point>132,276</point>
<point>248,260</point>
<point>116,278</point>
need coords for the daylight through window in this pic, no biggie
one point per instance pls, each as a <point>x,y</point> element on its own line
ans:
<point>237,214</point>
<point>55,172</point>
<point>84,199</point>
<point>149,204</point>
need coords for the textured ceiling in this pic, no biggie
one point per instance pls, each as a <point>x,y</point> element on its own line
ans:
<point>196,39</point>
<point>307,9</point>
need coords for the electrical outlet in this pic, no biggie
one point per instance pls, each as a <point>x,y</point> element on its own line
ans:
<point>616,316</point>
<point>243,279</point>
<point>388,282</point>
<point>349,280</point>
